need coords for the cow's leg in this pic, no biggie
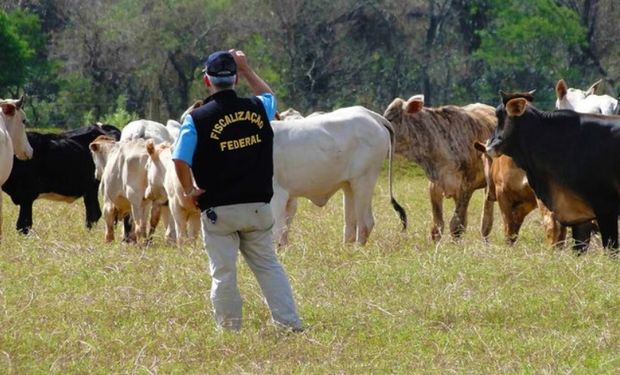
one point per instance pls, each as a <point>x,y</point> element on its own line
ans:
<point>458,223</point>
<point>193,226</point>
<point>139,208</point>
<point>350,218</point>
<point>128,232</point>
<point>362,193</point>
<point>180,221</point>
<point>278,207</point>
<point>555,232</point>
<point>487,216</point>
<point>109,215</point>
<point>505,207</point>
<point>436,194</point>
<point>156,212</point>
<point>1,214</point>
<point>169,223</point>
<point>607,220</point>
<point>24,220</point>
<point>91,204</point>
<point>581,235</point>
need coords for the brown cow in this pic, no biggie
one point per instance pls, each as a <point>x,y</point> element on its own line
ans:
<point>507,184</point>
<point>439,140</point>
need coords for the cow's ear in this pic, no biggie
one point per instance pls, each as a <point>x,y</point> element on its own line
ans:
<point>94,147</point>
<point>8,109</point>
<point>560,89</point>
<point>594,87</point>
<point>414,104</point>
<point>480,147</point>
<point>516,107</point>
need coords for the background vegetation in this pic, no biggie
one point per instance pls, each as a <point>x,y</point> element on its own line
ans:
<point>71,304</point>
<point>82,61</point>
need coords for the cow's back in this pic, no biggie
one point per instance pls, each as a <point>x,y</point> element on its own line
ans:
<point>440,140</point>
<point>315,155</point>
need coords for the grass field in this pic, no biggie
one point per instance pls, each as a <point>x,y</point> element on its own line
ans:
<point>402,304</point>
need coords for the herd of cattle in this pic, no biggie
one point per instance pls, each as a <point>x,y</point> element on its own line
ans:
<point>565,162</point>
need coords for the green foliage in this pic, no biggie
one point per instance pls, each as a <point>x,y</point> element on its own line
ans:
<point>15,53</point>
<point>528,45</point>
<point>119,118</point>
<point>317,55</point>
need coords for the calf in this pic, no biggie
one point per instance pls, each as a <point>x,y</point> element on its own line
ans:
<point>123,183</point>
<point>507,184</point>
<point>572,161</point>
<point>439,140</point>
<point>164,186</point>
<point>61,169</point>
<point>315,157</point>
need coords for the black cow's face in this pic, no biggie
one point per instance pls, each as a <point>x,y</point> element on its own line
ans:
<point>497,143</point>
<point>512,107</point>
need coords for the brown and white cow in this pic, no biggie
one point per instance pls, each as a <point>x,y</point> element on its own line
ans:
<point>164,185</point>
<point>439,140</point>
<point>13,140</point>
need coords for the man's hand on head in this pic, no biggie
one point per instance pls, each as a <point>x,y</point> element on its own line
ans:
<point>240,60</point>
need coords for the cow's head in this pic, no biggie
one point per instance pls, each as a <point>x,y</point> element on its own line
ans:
<point>100,149</point>
<point>513,106</point>
<point>14,120</point>
<point>156,171</point>
<point>569,98</point>
<point>399,108</point>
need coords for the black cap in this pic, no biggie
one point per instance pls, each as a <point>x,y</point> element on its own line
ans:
<point>220,64</point>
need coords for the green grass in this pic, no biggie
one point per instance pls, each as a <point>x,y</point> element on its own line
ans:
<point>402,304</point>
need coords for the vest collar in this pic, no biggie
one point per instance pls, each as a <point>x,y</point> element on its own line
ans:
<point>222,95</point>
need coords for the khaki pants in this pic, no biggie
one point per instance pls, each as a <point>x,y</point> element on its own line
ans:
<point>245,228</point>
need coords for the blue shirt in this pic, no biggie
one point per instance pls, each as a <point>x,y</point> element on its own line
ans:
<point>185,144</point>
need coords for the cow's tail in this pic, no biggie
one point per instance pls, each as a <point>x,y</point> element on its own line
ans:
<point>397,207</point>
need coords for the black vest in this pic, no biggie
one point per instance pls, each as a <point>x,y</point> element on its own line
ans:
<point>233,161</point>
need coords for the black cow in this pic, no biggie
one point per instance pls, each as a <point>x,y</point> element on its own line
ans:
<point>61,168</point>
<point>572,161</point>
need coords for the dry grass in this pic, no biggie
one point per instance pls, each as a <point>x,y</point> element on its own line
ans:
<point>71,304</point>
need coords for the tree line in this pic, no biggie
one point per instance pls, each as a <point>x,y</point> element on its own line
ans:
<point>117,60</point>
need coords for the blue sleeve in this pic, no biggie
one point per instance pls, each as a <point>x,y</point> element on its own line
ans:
<point>186,142</point>
<point>269,102</point>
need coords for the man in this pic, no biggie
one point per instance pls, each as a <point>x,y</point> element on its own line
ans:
<point>228,145</point>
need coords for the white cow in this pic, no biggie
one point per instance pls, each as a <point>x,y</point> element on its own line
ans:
<point>585,101</point>
<point>314,157</point>
<point>146,129</point>
<point>13,140</point>
<point>121,167</point>
<point>164,185</point>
